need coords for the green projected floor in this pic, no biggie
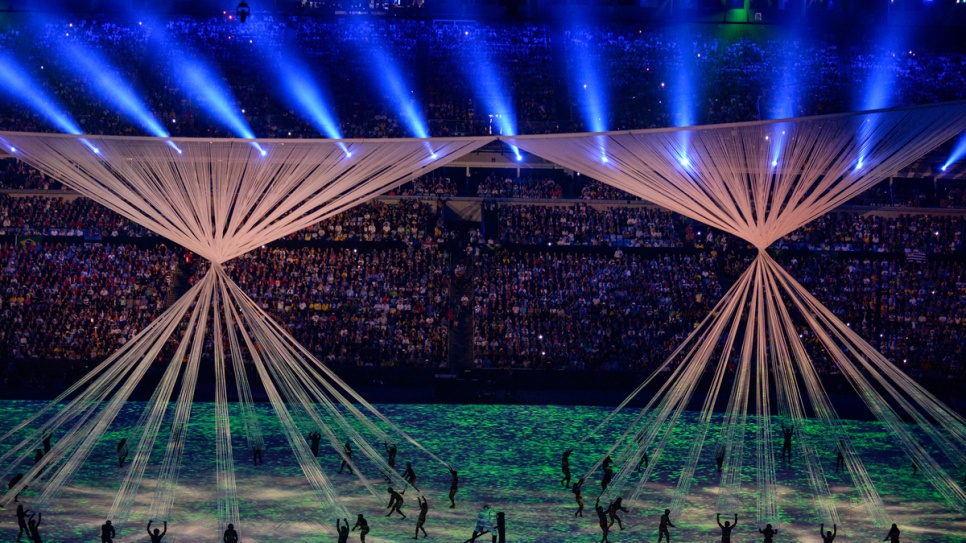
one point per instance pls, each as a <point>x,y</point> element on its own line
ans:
<point>508,456</point>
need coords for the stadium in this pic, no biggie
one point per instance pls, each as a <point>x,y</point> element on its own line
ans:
<point>592,270</point>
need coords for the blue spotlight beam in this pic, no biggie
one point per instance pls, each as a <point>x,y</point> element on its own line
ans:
<point>17,82</point>
<point>205,82</point>
<point>107,82</point>
<point>959,151</point>
<point>491,89</point>
<point>299,88</point>
<point>386,73</point>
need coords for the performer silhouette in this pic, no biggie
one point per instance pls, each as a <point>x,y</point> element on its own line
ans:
<point>22,515</point>
<point>121,452</point>
<point>840,457</point>
<point>314,439</point>
<point>787,433</point>
<point>454,485</point>
<point>769,533</point>
<point>579,497</point>
<point>719,456</point>
<point>565,467</point>
<point>662,528</point>
<point>107,532</point>
<point>602,520</point>
<point>46,441</point>
<point>484,524</point>
<point>231,536</point>
<point>346,458</point>
<point>33,529</point>
<point>644,462</point>
<point>343,530</point>
<point>158,534</point>
<point>257,457</point>
<point>395,503</point>
<point>409,475</point>
<point>615,506</point>
<point>608,466</point>
<point>726,528</point>
<point>828,537</point>
<point>363,528</point>
<point>423,509</point>
<point>893,535</point>
<point>391,451</point>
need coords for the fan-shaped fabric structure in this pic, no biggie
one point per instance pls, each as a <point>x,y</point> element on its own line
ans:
<point>220,199</point>
<point>758,181</point>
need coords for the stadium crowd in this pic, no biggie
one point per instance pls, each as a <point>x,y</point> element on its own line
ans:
<point>609,275</point>
<point>77,302</point>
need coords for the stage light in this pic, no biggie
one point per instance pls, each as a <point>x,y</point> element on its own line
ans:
<point>774,163</point>
<point>685,162</point>
<point>959,151</point>
<point>604,159</point>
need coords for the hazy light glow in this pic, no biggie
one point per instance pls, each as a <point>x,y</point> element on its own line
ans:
<point>959,151</point>
<point>387,74</point>
<point>17,82</point>
<point>204,82</point>
<point>304,93</point>
<point>491,90</point>
<point>684,92</point>
<point>107,82</point>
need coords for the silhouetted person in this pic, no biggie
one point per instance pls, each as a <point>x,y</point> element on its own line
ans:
<point>38,456</point>
<point>726,528</point>
<point>565,467</point>
<point>343,530</point>
<point>314,439</point>
<point>893,535</point>
<point>395,503</point>
<point>769,533</point>
<point>840,457</point>
<point>346,457</point>
<point>828,537</point>
<point>409,475</point>
<point>719,456</point>
<point>423,509</point>
<point>13,482</point>
<point>644,461</point>
<point>608,466</point>
<point>22,515</point>
<point>579,497</point>
<point>257,454</point>
<point>231,536</point>
<point>157,534</point>
<point>121,452</point>
<point>615,506</point>
<point>46,441</point>
<point>107,532</point>
<point>602,520</point>
<point>454,485</point>
<point>787,433</point>
<point>33,529</point>
<point>363,527</point>
<point>484,524</point>
<point>662,528</point>
<point>391,453</point>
